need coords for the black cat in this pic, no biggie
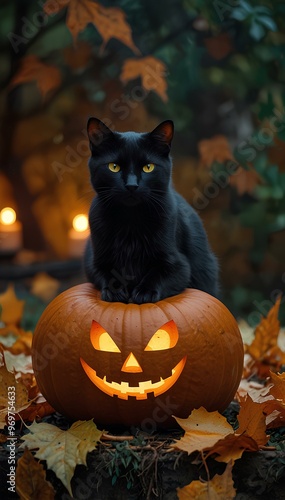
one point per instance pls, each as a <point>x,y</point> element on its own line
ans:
<point>147,242</point>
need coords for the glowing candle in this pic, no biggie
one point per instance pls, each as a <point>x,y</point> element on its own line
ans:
<point>78,234</point>
<point>10,232</point>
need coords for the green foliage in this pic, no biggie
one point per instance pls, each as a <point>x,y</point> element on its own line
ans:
<point>124,463</point>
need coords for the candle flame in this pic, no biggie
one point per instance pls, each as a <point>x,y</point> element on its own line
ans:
<point>7,216</point>
<point>80,223</point>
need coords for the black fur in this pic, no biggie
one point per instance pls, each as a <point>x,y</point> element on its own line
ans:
<point>147,242</point>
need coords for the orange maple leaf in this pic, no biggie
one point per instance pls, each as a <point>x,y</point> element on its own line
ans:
<point>109,21</point>
<point>245,181</point>
<point>264,349</point>
<point>221,486</point>
<point>152,72</point>
<point>32,69</point>
<point>277,390</point>
<point>215,149</point>
<point>251,420</point>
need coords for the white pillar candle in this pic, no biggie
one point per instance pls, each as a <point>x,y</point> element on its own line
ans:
<point>78,235</point>
<point>10,232</point>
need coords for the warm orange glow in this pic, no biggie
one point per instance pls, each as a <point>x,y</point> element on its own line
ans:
<point>7,216</point>
<point>80,223</point>
<point>123,390</point>
<point>164,338</point>
<point>131,365</point>
<point>101,340</point>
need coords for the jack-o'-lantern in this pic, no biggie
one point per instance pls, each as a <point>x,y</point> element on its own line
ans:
<point>129,364</point>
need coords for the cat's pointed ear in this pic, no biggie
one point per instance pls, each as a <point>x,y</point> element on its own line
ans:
<point>164,132</point>
<point>97,132</point>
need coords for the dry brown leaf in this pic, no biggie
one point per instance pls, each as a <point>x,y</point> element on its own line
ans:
<point>232,447</point>
<point>109,21</point>
<point>251,420</point>
<point>62,450</point>
<point>202,430</point>
<point>31,483</point>
<point>19,363</point>
<point>36,411</point>
<point>152,72</point>
<point>245,181</point>
<point>215,149</point>
<point>221,487</point>
<point>46,76</point>
<point>12,307</point>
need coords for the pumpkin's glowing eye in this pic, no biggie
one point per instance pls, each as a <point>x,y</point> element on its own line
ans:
<point>101,340</point>
<point>114,167</point>
<point>148,168</point>
<point>164,338</point>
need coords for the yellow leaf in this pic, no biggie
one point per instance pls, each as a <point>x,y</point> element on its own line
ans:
<point>152,72</point>
<point>62,450</point>
<point>31,483</point>
<point>202,430</point>
<point>109,21</point>
<point>32,69</point>
<point>12,307</point>
<point>221,487</point>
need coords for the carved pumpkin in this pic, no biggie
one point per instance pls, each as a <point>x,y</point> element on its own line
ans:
<point>135,364</point>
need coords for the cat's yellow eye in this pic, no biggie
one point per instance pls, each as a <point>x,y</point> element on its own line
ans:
<point>114,167</point>
<point>148,168</point>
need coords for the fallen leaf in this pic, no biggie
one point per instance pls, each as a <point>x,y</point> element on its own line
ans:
<point>20,363</point>
<point>31,480</point>
<point>232,447</point>
<point>152,72</point>
<point>46,76</point>
<point>35,411</point>
<point>13,395</point>
<point>62,450</point>
<point>109,21</point>
<point>202,430</point>
<point>215,149</point>
<point>220,487</point>
<point>277,388</point>
<point>245,181</point>
<point>12,307</point>
<point>44,286</point>
<point>251,420</point>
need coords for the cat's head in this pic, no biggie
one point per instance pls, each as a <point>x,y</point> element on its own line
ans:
<point>129,167</point>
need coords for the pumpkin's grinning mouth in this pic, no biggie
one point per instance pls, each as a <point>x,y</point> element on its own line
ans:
<point>123,390</point>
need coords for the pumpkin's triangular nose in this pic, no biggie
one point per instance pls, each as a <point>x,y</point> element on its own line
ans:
<point>131,364</point>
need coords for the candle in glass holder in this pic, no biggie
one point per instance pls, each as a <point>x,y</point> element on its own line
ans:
<point>10,232</point>
<point>77,236</point>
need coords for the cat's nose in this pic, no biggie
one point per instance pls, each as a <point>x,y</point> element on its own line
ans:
<point>132,182</point>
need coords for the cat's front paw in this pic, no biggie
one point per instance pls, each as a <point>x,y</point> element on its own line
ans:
<point>142,295</point>
<point>114,296</point>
